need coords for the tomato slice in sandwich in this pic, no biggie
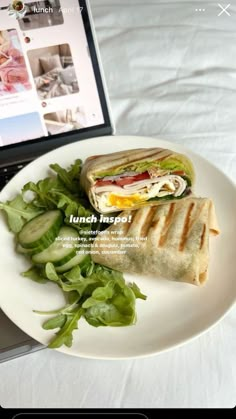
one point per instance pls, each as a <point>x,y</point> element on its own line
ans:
<point>131,179</point>
<point>101,182</point>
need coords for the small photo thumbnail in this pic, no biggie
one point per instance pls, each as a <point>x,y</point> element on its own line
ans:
<point>41,14</point>
<point>20,128</point>
<point>53,71</point>
<point>14,76</point>
<point>65,120</point>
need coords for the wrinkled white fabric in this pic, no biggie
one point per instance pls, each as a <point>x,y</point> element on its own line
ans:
<point>171,73</point>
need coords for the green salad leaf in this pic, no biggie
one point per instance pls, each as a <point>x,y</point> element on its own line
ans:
<point>57,322</point>
<point>93,292</point>
<point>137,292</point>
<point>51,273</point>
<point>100,294</point>
<point>36,274</point>
<point>19,212</point>
<point>69,178</point>
<point>65,334</point>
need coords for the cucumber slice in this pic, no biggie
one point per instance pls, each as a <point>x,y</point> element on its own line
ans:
<point>60,251</point>
<point>26,252</point>
<point>41,231</point>
<point>71,264</point>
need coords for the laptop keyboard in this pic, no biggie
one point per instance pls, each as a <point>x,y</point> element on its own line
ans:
<point>7,173</point>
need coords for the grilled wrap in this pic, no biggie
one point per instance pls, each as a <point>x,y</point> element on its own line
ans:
<point>134,178</point>
<point>169,241</point>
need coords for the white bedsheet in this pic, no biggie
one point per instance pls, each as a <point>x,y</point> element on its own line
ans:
<point>171,73</point>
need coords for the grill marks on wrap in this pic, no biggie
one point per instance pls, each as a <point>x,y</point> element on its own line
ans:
<point>190,221</point>
<point>126,226</point>
<point>203,236</point>
<point>168,221</point>
<point>186,227</point>
<point>154,223</point>
<point>156,220</point>
<point>146,226</point>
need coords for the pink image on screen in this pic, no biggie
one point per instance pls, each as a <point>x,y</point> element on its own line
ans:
<point>14,76</point>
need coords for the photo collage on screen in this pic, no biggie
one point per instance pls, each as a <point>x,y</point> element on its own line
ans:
<point>41,74</point>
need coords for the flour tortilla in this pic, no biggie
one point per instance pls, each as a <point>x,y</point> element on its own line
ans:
<point>98,167</point>
<point>172,241</point>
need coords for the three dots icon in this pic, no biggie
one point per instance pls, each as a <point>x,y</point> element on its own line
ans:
<point>200,10</point>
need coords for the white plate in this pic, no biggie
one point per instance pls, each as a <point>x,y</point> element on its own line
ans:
<point>174,312</point>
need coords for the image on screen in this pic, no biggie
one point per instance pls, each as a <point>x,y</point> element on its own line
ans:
<point>46,73</point>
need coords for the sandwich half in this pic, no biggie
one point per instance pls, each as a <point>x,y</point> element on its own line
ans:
<point>169,241</point>
<point>134,178</point>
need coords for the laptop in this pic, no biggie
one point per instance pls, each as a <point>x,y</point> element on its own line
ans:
<point>52,92</point>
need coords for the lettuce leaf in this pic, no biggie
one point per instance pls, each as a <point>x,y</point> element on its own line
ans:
<point>172,163</point>
<point>98,294</point>
<point>69,178</point>
<point>67,327</point>
<point>19,213</point>
<point>36,274</point>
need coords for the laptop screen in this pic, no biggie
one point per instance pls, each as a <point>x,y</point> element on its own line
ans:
<point>48,85</point>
